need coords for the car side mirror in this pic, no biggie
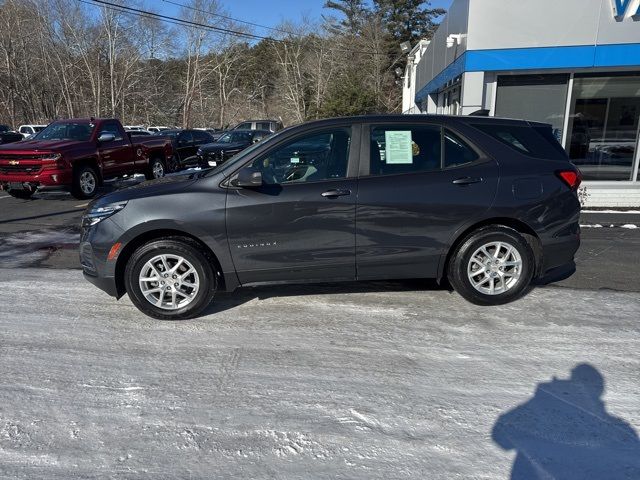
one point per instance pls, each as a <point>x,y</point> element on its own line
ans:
<point>248,177</point>
<point>106,138</point>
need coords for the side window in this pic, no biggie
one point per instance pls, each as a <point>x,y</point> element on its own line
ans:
<point>321,156</point>
<point>185,138</point>
<point>110,127</point>
<point>24,130</point>
<point>264,126</point>
<point>456,152</point>
<point>537,142</point>
<point>405,149</point>
<point>244,126</point>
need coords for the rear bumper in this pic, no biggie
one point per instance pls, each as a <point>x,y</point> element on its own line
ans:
<point>558,256</point>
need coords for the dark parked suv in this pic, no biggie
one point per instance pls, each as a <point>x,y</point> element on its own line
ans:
<point>490,204</point>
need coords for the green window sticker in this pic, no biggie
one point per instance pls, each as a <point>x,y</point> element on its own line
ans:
<point>398,148</point>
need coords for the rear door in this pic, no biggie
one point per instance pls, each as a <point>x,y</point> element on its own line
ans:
<point>117,156</point>
<point>419,184</point>
<point>300,225</point>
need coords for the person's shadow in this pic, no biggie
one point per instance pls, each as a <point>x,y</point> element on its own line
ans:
<point>565,432</point>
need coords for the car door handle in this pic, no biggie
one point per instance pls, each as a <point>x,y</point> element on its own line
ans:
<point>467,180</point>
<point>336,193</point>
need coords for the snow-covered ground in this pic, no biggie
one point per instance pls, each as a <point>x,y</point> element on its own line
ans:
<point>378,380</point>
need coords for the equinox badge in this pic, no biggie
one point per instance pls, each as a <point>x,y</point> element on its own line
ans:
<point>254,245</point>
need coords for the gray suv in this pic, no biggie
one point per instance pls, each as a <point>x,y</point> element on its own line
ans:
<point>489,204</point>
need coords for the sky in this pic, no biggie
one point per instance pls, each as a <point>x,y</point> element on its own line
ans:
<point>271,12</point>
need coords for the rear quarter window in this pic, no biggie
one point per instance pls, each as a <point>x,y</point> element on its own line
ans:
<point>530,141</point>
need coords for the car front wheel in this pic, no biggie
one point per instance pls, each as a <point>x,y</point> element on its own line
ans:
<point>85,182</point>
<point>170,279</point>
<point>492,266</point>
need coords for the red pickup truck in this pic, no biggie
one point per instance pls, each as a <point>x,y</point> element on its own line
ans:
<point>80,154</point>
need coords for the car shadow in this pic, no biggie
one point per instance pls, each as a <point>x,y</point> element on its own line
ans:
<point>228,300</point>
<point>565,432</point>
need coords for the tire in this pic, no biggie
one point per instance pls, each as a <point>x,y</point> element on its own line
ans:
<point>173,165</point>
<point>85,182</point>
<point>181,300</point>
<point>156,169</point>
<point>510,273</point>
<point>24,194</point>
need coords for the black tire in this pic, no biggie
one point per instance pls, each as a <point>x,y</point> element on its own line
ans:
<point>192,253</point>
<point>156,169</point>
<point>81,182</point>
<point>173,165</point>
<point>23,194</point>
<point>457,269</point>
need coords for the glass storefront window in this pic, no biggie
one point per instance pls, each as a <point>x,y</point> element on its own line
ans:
<point>540,98</point>
<point>603,126</point>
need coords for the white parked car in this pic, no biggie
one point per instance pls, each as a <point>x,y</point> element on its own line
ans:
<point>28,130</point>
<point>157,129</point>
<point>134,128</point>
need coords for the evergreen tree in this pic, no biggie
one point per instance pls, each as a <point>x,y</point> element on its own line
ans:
<point>354,12</point>
<point>408,20</point>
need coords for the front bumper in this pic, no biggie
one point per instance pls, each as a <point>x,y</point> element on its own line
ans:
<point>43,178</point>
<point>106,284</point>
<point>95,244</point>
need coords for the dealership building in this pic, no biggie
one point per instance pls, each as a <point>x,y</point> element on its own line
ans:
<point>574,64</point>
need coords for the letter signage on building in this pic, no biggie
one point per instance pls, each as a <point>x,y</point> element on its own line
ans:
<point>620,8</point>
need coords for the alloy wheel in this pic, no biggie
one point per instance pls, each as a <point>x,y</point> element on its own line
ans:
<point>158,169</point>
<point>169,282</point>
<point>87,182</point>
<point>495,268</point>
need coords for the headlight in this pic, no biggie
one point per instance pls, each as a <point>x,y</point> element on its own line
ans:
<point>97,214</point>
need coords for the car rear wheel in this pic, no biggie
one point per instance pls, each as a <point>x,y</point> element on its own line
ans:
<point>170,279</point>
<point>156,169</point>
<point>492,266</point>
<point>85,182</point>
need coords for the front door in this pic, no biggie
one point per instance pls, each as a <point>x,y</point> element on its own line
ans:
<point>300,224</point>
<point>117,156</point>
<point>185,145</point>
<point>414,196</point>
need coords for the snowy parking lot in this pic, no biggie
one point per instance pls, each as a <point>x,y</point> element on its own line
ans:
<point>389,380</point>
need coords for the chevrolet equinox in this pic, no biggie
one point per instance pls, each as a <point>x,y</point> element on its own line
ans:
<point>489,204</point>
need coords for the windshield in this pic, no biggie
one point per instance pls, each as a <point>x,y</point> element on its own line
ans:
<point>80,132</point>
<point>233,137</point>
<point>237,158</point>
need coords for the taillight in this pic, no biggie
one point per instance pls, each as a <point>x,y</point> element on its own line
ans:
<point>571,177</point>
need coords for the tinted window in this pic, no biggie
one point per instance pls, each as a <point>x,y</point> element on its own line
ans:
<point>405,149</point>
<point>264,126</point>
<point>525,139</point>
<point>202,137</point>
<point>112,128</point>
<point>456,152</point>
<point>185,138</point>
<point>321,156</point>
<point>241,137</point>
<point>244,126</point>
